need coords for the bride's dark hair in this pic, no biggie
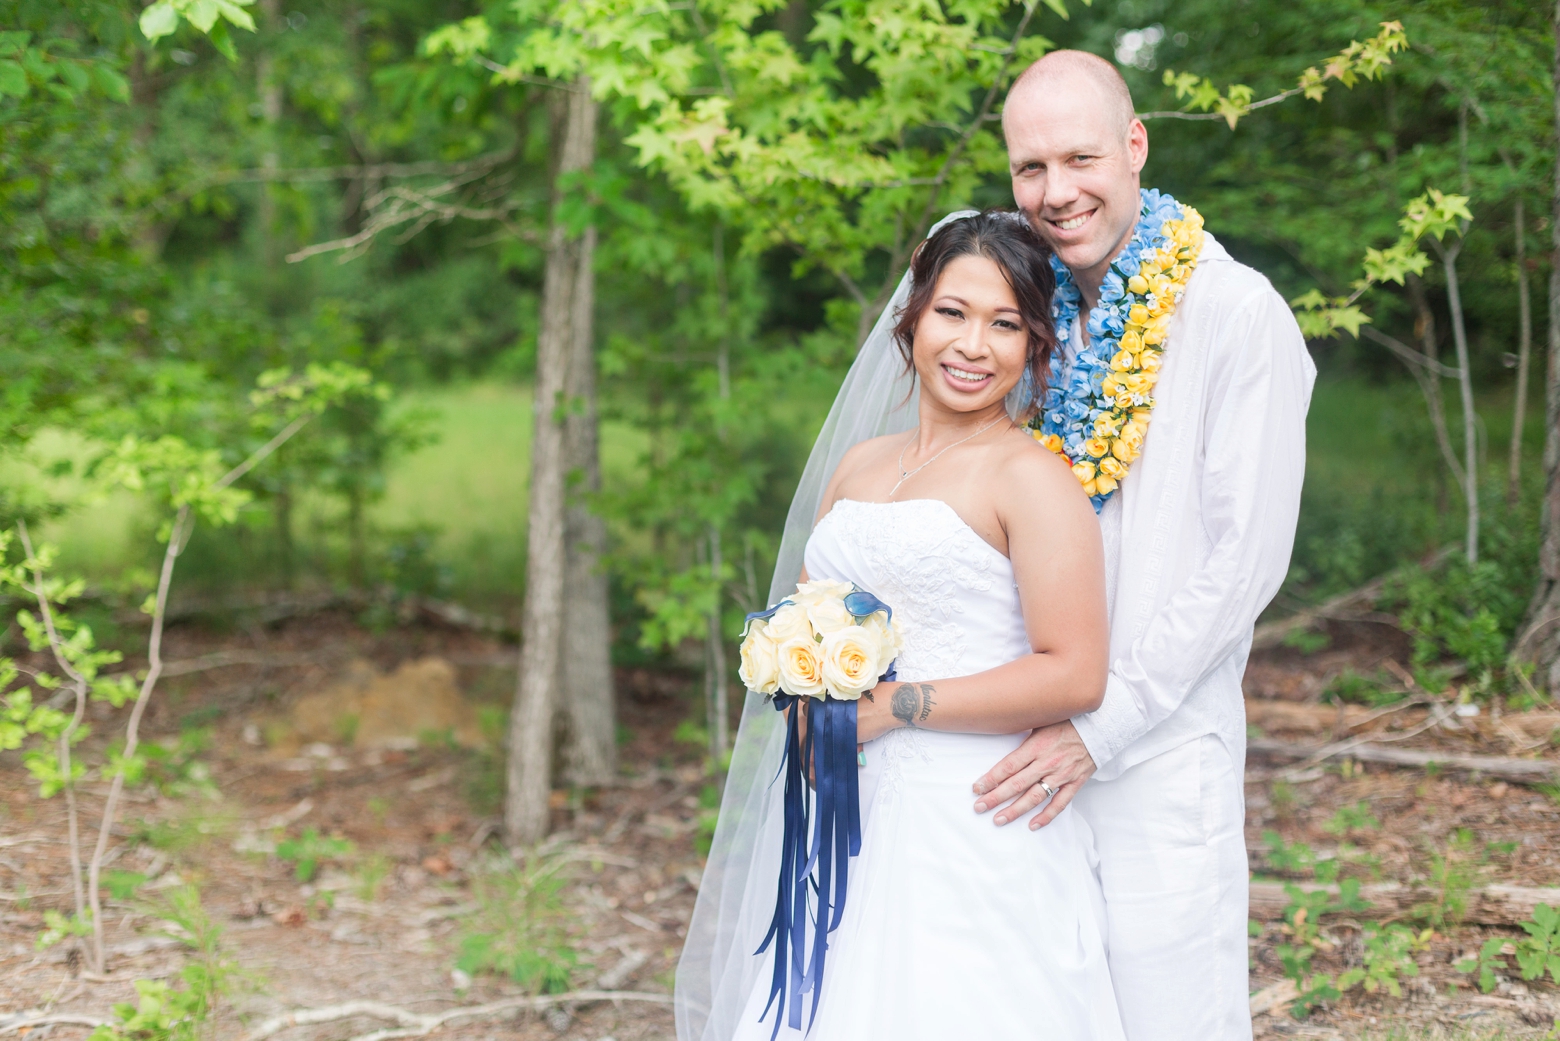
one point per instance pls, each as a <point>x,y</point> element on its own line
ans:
<point>1007,240</point>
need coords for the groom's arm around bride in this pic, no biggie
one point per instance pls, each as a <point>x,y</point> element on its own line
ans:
<point>1200,533</point>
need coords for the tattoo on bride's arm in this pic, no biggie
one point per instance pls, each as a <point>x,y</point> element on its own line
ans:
<point>912,703</point>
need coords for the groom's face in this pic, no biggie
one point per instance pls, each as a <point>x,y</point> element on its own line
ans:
<point>1075,173</point>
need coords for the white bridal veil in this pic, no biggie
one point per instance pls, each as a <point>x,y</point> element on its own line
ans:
<point>736,901</point>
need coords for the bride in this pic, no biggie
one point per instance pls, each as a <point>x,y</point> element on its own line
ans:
<point>986,547</point>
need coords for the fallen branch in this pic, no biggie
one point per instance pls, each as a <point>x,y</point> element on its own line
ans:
<point>1346,607</point>
<point>1489,905</point>
<point>63,1019</point>
<point>1520,771</point>
<point>413,1024</point>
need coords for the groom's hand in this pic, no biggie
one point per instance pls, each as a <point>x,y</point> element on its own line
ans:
<point>1053,754</point>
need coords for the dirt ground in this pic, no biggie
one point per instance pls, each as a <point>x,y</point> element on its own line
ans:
<point>383,922</point>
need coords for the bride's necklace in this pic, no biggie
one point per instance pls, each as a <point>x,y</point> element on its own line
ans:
<point>905,475</point>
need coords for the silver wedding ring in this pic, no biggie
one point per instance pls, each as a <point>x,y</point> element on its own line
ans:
<point>1050,793</point>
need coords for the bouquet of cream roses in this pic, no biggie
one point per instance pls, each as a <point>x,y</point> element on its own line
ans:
<point>814,655</point>
<point>827,640</point>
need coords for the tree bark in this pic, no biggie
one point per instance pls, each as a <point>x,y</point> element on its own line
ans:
<point>1465,387</point>
<point>590,750</point>
<point>1540,640</point>
<point>1430,382</point>
<point>529,772</point>
<point>1524,357</point>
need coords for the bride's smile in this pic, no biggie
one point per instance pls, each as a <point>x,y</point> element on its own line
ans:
<point>971,345</point>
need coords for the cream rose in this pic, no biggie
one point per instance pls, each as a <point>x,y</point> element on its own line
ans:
<point>850,661</point>
<point>828,614</point>
<point>890,639</point>
<point>801,667</point>
<point>790,621</point>
<point>760,669</point>
<point>824,588</point>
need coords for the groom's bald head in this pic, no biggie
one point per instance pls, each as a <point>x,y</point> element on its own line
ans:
<point>1075,152</point>
<point>1074,74</point>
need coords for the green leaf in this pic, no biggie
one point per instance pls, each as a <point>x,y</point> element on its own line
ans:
<point>222,40</point>
<point>13,80</point>
<point>159,20</point>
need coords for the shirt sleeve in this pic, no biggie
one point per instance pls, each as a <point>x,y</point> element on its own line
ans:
<point>1258,389</point>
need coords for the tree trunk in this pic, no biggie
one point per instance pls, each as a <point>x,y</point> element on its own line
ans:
<point>1540,641</point>
<point>1430,383</point>
<point>1524,355</point>
<point>590,752</point>
<point>529,779</point>
<point>270,92</point>
<point>1465,385</point>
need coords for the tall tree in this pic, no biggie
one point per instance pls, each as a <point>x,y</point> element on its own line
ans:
<point>590,749</point>
<point>566,286</point>
<point>1540,640</point>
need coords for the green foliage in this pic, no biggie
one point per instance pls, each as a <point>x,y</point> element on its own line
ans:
<point>1486,963</point>
<point>1298,859</point>
<point>121,885</point>
<point>521,927</point>
<point>168,1011</point>
<point>1539,952</point>
<point>1349,686</point>
<point>1349,819</point>
<point>59,927</point>
<point>1454,868</point>
<point>309,850</point>
<point>1388,958</point>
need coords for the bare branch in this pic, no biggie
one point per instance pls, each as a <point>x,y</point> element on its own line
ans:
<point>413,1024</point>
<point>1409,354</point>
<point>362,172</point>
<point>78,687</point>
<point>1264,103</point>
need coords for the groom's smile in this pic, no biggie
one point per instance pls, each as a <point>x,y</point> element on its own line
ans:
<point>1070,223</point>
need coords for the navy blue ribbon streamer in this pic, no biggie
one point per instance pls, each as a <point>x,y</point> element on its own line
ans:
<point>818,841</point>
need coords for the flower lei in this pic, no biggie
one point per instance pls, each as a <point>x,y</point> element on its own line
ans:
<point>1096,414</point>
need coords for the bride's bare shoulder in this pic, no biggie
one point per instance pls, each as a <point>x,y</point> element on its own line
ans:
<point>855,465</point>
<point>1034,478</point>
<point>863,455</point>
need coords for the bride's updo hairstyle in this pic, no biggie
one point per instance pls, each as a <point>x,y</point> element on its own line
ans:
<point>1007,240</point>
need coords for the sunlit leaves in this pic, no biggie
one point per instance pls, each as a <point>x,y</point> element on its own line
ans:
<point>1434,213</point>
<point>162,17</point>
<point>1360,60</point>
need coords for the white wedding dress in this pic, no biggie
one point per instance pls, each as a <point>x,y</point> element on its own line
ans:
<point>953,928</point>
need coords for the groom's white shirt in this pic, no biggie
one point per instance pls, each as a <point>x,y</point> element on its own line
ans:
<point>1207,518</point>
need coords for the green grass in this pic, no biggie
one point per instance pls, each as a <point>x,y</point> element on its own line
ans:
<point>1374,493</point>
<point>471,485</point>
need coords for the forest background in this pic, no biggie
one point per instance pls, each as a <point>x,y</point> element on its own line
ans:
<point>400,193</point>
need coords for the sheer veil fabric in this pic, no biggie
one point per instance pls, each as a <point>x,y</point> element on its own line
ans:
<point>718,968</point>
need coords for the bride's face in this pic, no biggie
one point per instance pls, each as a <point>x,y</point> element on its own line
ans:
<point>970,345</point>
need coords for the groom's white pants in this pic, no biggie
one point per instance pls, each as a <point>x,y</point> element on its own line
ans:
<point>1170,837</point>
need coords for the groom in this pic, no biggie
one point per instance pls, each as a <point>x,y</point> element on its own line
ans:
<point>1200,533</point>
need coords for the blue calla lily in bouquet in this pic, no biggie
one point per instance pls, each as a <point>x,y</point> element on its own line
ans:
<point>814,654</point>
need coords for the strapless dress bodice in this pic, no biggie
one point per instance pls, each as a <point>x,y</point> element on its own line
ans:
<point>952,592</point>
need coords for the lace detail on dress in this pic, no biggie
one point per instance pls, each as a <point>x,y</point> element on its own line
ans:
<point>895,747</point>
<point>923,556</point>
